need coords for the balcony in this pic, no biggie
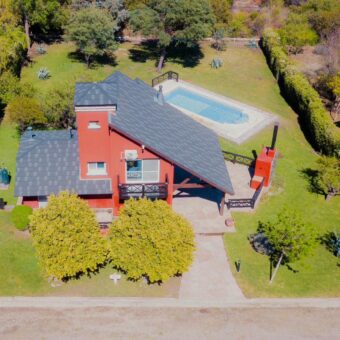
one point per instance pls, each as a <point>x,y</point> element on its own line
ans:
<point>138,190</point>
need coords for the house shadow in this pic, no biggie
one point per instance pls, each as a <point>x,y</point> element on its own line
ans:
<point>176,53</point>
<point>208,194</point>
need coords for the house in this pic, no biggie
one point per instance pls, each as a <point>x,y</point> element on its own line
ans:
<point>128,143</point>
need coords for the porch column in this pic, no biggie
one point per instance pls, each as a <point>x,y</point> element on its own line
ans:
<point>222,204</point>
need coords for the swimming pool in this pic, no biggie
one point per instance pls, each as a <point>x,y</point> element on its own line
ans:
<point>205,107</point>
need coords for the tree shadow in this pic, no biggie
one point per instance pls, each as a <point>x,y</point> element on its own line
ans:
<point>311,176</point>
<point>295,271</point>
<point>331,241</point>
<point>176,53</point>
<point>96,61</point>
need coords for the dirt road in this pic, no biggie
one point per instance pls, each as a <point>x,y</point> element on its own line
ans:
<point>169,323</point>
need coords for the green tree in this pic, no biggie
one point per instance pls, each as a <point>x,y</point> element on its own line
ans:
<point>25,112</point>
<point>149,239</point>
<point>45,15</point>
<point>334,85</point>
<point>222,12</point>
<point>12,42</point>
<point>66,237</point>
<point>58,107</point>
<point>238,26</point>
<point>92,30</point>
<point>173,21</point>
<point>297,33</point>
<point>329,175</point>
<point>11,87</point>
<point>290,237</point>
<point>116,8</point>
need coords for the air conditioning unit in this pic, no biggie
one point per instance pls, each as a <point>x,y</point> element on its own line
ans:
<point>130,155</point>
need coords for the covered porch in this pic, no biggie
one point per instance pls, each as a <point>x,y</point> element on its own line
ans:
<point>202,206</point>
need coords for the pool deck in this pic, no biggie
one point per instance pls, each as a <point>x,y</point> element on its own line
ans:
<point>237,133</point>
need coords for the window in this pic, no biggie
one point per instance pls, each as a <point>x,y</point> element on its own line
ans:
<point>96,168</point>
<point>42,201</point>
<point>146,170</point>
<point>94,125</point>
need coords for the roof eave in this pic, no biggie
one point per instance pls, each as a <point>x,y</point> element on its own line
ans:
<point>224,190</point>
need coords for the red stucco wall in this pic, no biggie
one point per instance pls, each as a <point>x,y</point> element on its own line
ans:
<point>107,145</point>
<point>31,202</point>
<point>99,201</point>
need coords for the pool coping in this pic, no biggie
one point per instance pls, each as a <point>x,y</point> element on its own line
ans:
<point>237,133</point>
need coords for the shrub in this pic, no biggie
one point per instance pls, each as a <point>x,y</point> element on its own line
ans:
<point>20,216</point>
<point>43,73</point>
<point>149,239</point>
<point>11,87</point>
<point>320,129</point>
<point>41,49</point>
<point>66,237</point>
<point>25,112</point>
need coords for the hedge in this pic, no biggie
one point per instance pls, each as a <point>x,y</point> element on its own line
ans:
<point>316,121</point>
<point>20,216</point>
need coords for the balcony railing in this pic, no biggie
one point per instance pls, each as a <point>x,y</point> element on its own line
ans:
<point>149,190</point>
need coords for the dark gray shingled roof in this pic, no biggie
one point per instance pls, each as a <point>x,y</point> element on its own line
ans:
<point>49,163</point>
<point>161,128</point>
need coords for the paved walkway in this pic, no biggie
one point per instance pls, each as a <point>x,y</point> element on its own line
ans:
<point>203,211</point>
<point>210,276</point>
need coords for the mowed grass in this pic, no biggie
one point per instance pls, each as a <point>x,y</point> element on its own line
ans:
<point>21,274</point>
<point>9,143</point>
<point>245,77</point>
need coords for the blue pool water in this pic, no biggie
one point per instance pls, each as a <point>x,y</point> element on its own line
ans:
<point>205,107</point>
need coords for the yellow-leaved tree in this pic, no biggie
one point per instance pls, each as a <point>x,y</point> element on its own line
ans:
<point>149,239</point>
<point>66,237</point>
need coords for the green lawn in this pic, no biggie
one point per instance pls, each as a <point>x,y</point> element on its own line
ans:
<point>21,274</point>
<point>246,77</point>
<point>9,143</point>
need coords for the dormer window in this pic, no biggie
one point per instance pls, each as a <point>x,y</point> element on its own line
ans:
<point>94,125</point>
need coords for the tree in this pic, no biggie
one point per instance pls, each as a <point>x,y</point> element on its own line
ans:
<point>222,12</point>
<point>116,8</point>
<point>297,33</point>
<point>12,41</point>
<point>238,26</point>
<point>289,236</point>
<point>149,239</point>
<point>11,87</point>
<point>25,112</point>
<point>173,21</point>
<point>45,15</point>
<point>58,107</point>
<point>66,237</point>
<point>92,30</point>
<point>334,85</point>
<point>329,175</point>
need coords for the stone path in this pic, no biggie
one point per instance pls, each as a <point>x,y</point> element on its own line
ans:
<point>210,277</point>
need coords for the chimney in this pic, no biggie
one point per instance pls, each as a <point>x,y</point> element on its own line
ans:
<point>31,133</point>
<point>71,132</point>
<point>276,130</point>
<point>159,96</point>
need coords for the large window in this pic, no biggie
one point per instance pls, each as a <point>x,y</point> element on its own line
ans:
<point>96,168</point>
<point>146,170</point>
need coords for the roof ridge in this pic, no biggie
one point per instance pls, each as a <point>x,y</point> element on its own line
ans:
<point>86,92</point>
